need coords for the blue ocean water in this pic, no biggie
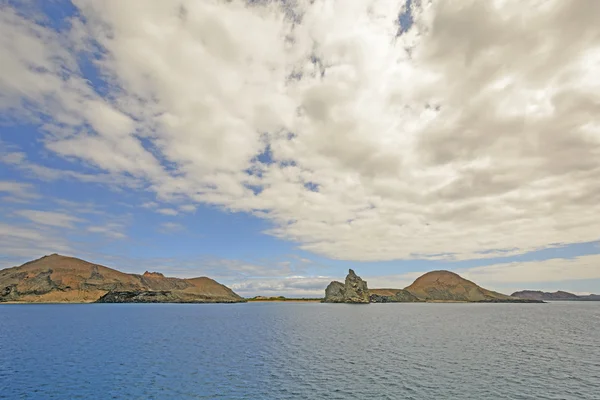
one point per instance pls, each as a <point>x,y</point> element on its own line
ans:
<point>300,351</point>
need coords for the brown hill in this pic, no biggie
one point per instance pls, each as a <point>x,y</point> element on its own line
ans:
<point>57,278</point>
<point>448,286</point>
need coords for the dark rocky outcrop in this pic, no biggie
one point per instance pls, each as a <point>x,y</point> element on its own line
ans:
<point>60,279</point>
<point>138,296</point>
<point>392,296</point>
<point>159,296</point>
<point>354,290</point>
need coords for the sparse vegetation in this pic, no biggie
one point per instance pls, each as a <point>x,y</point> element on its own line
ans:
<point>283,298</point>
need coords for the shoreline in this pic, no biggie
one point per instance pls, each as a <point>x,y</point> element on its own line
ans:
<point>289,301</point>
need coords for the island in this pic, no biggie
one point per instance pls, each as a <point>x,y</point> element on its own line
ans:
<point>434,286</point>
<point>554,296</point>
<point>60,279</point>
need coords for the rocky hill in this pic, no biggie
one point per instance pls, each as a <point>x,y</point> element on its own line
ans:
<point>61,279</point>
<point>448,286</point>
<point>554,296</point>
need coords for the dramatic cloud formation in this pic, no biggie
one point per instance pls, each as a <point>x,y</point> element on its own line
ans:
<point>473,133</point>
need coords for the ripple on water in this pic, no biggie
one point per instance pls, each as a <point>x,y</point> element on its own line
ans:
<point>300,351</point>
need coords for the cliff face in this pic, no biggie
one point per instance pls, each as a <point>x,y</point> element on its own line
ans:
<point>353,290</point>
<point>57,278</point>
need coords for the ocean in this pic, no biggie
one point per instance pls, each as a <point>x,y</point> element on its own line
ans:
<point>300,351</point>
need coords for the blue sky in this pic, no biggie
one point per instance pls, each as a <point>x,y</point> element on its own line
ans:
<point>273,153</point>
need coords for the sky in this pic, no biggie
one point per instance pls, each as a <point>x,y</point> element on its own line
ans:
<point>272,145</point>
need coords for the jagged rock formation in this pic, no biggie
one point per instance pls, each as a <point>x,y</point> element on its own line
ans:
<point>392,296</point>
<point>334,293</point>
<point>554,296</point>
<point>60,279</point>
<point>353,290</point>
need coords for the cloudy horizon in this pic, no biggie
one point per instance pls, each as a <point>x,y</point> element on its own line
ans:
<point>272,145</point>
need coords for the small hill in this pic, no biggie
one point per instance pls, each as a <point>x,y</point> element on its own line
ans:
<point>62,279</point>
<point>448,286</point>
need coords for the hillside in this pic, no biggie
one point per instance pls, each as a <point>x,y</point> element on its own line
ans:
<point>62,279</point>
<point>448,286</point>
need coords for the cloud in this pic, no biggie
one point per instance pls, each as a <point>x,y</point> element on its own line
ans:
<point>18,190</point>
<point>443,142</point>
<point>167,211</point>
<point>552,270</point>
<point>20,162</point>
<point>296,286</point>
<point>80,207</point>
<point>188,208</point>
<point>24,243</point>
<point>170,227</point>
<point>49,218</point>
<point>111,230</point>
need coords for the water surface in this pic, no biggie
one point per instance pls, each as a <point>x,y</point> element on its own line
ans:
<point>300,351</point>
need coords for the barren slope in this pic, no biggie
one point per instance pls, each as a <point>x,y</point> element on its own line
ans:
<point>448,286</point>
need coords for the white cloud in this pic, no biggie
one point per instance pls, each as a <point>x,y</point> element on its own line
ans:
<point>150,204</point>
<point>23,243</point>
<point>295,286</point>
<point>552,270</point>
<point>444,142</point>
<point>167,211</point>
<point>79,207</point>
<point>111,230</point>
<point>188,208</point>
<point>170,227</point>
<point>18,189</point>
<point>50,218</point>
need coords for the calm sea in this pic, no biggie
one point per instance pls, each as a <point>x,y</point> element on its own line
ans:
<point>300,351</point>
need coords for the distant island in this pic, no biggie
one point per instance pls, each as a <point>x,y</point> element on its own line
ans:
<point>434,286</point>
<point>61,279</point>
<point>554,296</point>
